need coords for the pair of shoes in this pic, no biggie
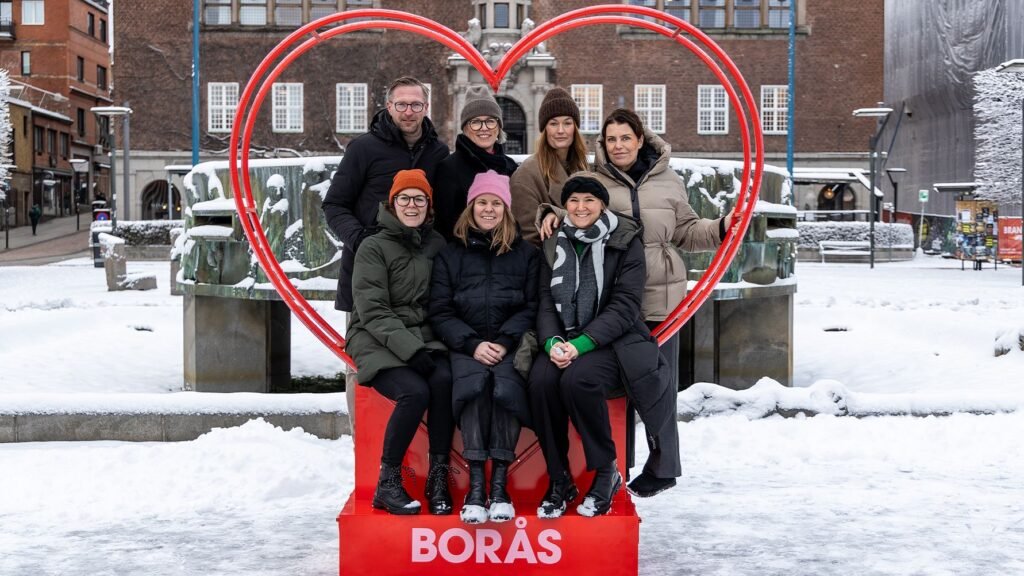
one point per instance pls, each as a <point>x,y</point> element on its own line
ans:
<point>474,507</point>
<point>606,484</point>
<point>646,485</point>
<point>501,509</point>
<point>391,495</point>
<point>561,492</point>
<point>439,498</point>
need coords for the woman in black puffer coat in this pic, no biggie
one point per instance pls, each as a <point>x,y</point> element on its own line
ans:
<point>483,299</point>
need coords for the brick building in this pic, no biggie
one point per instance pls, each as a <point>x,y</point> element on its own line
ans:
<point>328,95</point>
<point>58,58</point>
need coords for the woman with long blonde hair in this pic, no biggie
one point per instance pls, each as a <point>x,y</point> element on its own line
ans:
<point>561,151</point>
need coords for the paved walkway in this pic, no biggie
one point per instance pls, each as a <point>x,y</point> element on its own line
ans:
<point>56,239</point>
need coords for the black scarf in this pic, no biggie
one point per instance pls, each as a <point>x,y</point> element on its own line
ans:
<point>576,286</point>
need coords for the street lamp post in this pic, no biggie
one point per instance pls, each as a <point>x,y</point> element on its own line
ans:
<point>1017,65</point>
<point>110,111</point>
<point>79,165</point>
<point>882,113</point>
<point>893,174</point>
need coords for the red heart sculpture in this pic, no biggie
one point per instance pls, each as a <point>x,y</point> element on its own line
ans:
<point>257,89</point>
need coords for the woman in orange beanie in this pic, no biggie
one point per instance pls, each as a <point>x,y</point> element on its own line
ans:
<point>393,345</point>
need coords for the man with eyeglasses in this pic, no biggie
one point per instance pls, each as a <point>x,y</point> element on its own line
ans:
<point>477,149</point>
<point>401,137</point>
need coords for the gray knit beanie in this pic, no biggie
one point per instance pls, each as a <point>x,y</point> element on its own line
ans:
<point>479,102</point>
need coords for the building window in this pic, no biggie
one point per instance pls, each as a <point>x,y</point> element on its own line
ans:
<point>288,12</point>
<point>253,13</point>
<point>223,99</point>
<point>26,63</point>
<point>649,101</point>
<point>774,109</point>
<point>103,30</point>
<point>32,12</point>
<point>217,12</point>
<point>351,108</point>
<point>287,107</point>
<point>320,8</point>
<point>80,122</point>
<point>51,142</point>
<point>80,68</point>
<point>91,26</point>
<point>501,15</point>
<point>64,145</point>
<point>728,14</point>
<point>101,77</point>
<point>37,139</point>
<point>778,13</point>
<point>712,110</point>
<point>588,97</point>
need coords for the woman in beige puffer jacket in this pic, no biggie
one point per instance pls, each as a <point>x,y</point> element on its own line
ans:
<point>633,163</point>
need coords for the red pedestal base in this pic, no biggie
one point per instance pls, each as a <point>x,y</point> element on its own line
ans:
<point>377,543</point>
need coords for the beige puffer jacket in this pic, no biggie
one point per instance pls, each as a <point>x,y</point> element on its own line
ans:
<point>669,222</point>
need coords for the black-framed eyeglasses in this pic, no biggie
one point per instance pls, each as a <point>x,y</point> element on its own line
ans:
<point>489,123</point>
<point>417,201</point>
<point>414,106</point>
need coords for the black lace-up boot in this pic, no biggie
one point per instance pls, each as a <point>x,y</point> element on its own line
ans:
<point>439,497</point>
<point>391,495</point>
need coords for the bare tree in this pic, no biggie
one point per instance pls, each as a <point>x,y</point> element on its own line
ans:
<point>5,130</point>
<point>997,135</point>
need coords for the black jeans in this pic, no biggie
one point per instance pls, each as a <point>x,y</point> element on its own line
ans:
<point>413,395</point>
<point>579,393</point>
<point>488,430</point>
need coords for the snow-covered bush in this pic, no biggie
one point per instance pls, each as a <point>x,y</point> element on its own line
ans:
<point>997,133</point>
<point>886,234</point>
<point>146,232</point>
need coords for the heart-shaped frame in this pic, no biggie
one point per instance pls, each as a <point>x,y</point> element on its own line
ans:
<point>310,35</point>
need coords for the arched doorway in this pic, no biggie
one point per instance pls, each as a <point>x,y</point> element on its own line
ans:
<point>837,197</point>
<point>513,121</point>
<point>154,201</point>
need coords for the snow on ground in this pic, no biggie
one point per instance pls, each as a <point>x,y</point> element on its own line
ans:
<point>72,335</point>
<point>921,326</point>
<point>822,496</point>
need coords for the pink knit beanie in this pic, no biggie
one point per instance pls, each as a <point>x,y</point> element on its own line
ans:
<point>490,182</point>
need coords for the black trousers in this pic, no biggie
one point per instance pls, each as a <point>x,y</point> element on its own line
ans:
<point>663,460</point>
<point>413,395</point>
<point>488,430</point>
<point>578,393</point>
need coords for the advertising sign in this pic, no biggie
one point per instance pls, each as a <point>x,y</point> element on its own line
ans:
<point>977,234</point>
<point>1010,238</point>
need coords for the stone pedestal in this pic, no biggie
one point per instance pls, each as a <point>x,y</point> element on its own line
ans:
<point>235,345</point>
<point>736,342</point>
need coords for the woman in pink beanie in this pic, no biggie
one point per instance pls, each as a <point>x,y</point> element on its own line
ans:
<point>483,299</point>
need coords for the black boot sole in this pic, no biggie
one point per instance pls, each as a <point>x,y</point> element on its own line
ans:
<point>399,511</point>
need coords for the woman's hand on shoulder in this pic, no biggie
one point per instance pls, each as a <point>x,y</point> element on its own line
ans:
<point>548,225</point>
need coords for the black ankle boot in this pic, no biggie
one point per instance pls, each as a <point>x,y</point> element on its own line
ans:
<point>501,509</point>
<point>474,510</point>
<point>439,498</point>
<point>391,495</point>
<point>561,491</point>
<point>598,500</point>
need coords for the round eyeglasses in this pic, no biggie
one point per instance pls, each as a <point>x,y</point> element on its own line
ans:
<point>404,200</point>
<point>414,106</point>
<point>478,124</point>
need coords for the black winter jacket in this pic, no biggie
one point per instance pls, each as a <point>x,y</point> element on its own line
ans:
<point>363,180</point>
<point>455,174</point>
<point>477,296</point>
<point>619,323</point>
